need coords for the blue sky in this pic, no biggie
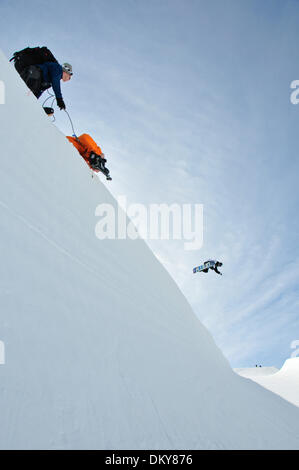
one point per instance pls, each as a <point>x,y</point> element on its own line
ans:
<point>190,101</point>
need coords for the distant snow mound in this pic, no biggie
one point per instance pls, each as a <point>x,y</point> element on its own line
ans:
<point>250,372</point>
<point>283,382</point>
<point>290,368</point>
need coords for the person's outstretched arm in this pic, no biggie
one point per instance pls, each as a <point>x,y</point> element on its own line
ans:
<point>55,74</point>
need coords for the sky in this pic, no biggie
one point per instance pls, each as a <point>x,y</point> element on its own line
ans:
<point>190,102</point>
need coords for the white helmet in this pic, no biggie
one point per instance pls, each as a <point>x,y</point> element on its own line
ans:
<point>67,68</point>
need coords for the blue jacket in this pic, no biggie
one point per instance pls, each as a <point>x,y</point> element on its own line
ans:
<point>52,73</point>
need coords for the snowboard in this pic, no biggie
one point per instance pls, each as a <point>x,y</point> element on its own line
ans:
<point>201,267</point>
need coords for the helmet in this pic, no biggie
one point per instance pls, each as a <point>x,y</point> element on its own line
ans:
<point>67,68</point>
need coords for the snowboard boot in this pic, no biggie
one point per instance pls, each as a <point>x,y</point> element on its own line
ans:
<point>98,163</point>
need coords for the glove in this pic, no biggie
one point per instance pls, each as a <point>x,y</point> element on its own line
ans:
<point>60,103</point>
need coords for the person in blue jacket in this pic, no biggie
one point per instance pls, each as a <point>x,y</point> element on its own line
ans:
<point>40,77</point>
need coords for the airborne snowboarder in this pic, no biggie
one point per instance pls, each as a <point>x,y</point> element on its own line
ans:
<point>213,265</point>
<point>209,264</point>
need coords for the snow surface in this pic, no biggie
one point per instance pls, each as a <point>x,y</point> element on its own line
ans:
<point>102,350</point>
<point>252,372</point>
<point>284,382</point>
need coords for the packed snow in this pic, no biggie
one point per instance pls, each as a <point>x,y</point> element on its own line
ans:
<point>252,372</point>
<point>284,382</point>
<point>102,350</point>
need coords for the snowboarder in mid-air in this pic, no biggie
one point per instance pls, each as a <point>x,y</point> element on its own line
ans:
<point>213,265</point>
<point>209,264</point>
<point>91,153</point>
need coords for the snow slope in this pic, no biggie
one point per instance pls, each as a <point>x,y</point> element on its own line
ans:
<point>102,350</point>
<point>252,372</point>
<point>284,382</point>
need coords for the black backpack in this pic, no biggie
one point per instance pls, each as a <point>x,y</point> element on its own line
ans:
<point>32,56</point>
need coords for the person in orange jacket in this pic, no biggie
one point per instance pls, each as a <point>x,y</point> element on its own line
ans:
<point>91,152</point>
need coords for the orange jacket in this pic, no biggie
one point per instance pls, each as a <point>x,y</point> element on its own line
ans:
<point>85,145</point>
